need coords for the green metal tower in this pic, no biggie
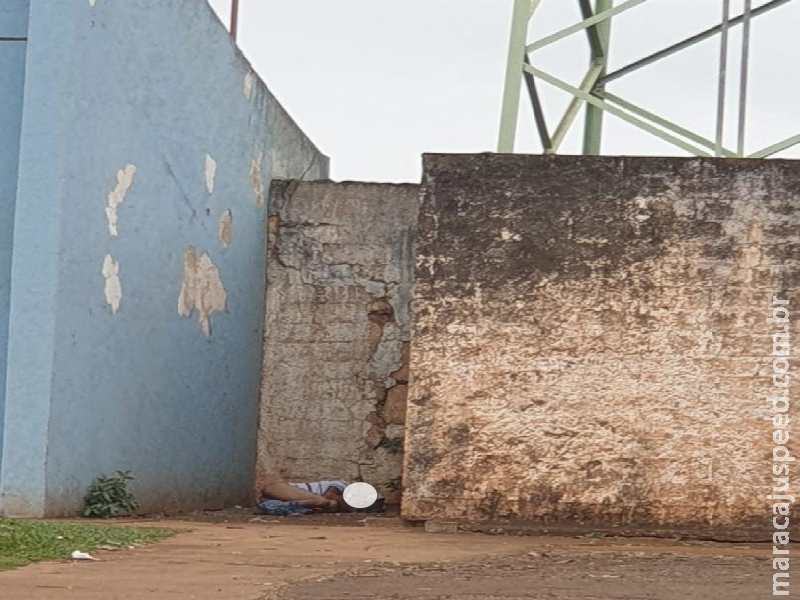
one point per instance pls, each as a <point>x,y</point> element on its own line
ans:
<point>592,90</point>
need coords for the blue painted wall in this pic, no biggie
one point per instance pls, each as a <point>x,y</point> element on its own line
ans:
<point>13,31</point>
<point>157,85</point>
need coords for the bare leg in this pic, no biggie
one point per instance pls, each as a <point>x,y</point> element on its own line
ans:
<point>283,491</point>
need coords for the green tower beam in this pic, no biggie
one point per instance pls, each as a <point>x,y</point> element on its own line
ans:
<point>592,93</point>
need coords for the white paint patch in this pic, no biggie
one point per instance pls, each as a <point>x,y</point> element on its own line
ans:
<point>509,236</point>
<point>256,180</point>
<point>117,196</point>
<point>247,86</point>
<point>211,173</point>
<point>225,230</point>
<point>360,495</point>
<point>201,289</point>
<point>92,2</point>
<point>113,289</point>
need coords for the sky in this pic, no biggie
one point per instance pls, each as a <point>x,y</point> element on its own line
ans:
<point>375,84</point>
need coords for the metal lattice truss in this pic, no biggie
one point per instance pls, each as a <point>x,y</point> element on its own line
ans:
<point>592,92</point>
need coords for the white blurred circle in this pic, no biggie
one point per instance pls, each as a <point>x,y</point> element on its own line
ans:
<point>360,495</point>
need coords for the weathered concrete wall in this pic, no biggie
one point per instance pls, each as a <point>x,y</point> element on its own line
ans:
<point>339,277</point>
<point>147,149</point>
<point>590,342</point>
<point>13,31</point>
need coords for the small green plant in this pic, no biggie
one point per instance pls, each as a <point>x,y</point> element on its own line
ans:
<point>109,496</point>
<point>394,485</point>
<point>392,445</point>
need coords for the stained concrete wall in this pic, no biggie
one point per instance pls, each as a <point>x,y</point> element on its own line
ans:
<point>339,277</point>
<point>590,341</point>
<point>147,149</point>
<point>13,33</point>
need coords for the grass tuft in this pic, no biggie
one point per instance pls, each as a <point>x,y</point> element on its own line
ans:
<point>24,542</point>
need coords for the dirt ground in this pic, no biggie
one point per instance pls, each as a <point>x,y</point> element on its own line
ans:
<point>280,559</point>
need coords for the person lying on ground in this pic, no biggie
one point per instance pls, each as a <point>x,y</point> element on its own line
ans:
<point>325,495</point>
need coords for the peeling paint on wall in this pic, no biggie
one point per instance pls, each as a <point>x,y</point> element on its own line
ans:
<point>256,180</point>
<point>51,450</point>
<point>113,287</point>
<point>211,173</point>
<point>117,196</point>
<point>226,228</point>
<point>201,289</point>
<point>249,80</point>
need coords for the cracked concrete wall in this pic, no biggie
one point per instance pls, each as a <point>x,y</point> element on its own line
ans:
<point>590,343</point>
<point>335,366</point>
<point>139,256</point>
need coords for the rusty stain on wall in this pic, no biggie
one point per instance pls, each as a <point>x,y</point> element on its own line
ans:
<point>210,172</point>
<point>607,366</point>
<point>201,289</point>
<point>225,229</point>
<point>117,196</point>
<point>113,285</point>
<point>337,329</point>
